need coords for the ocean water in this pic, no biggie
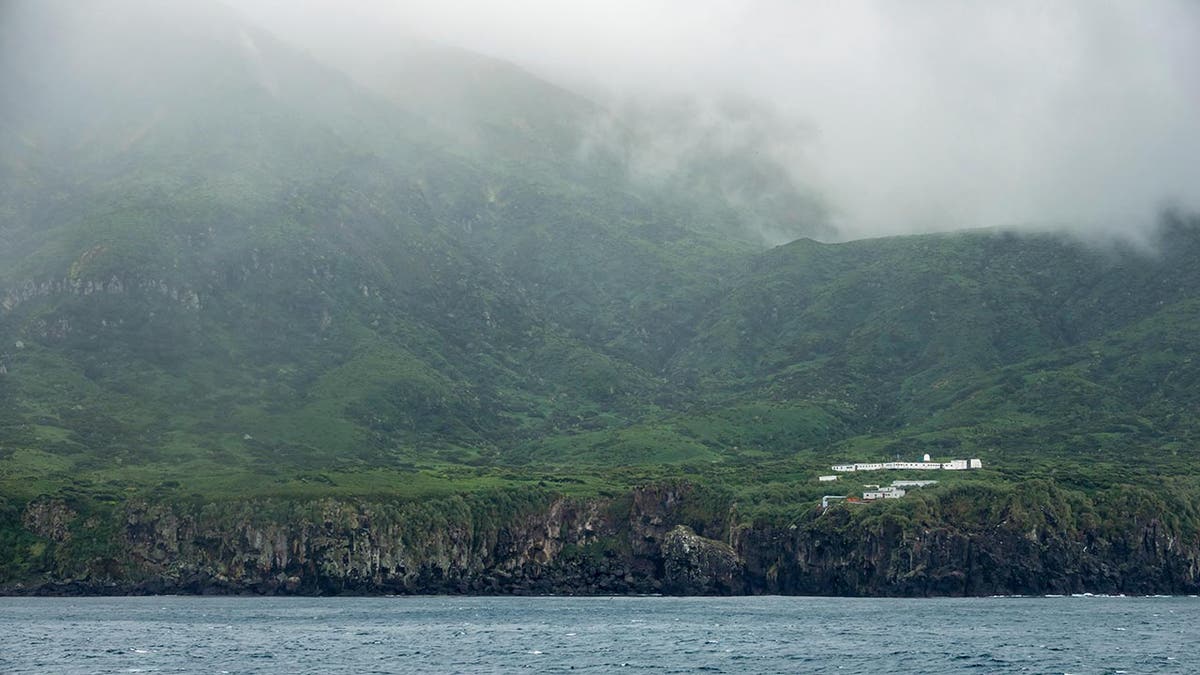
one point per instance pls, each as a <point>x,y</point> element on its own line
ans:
<point>674,635</point>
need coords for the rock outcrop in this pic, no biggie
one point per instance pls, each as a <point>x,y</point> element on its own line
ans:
<point>49,519</point>
<point>694,565</point>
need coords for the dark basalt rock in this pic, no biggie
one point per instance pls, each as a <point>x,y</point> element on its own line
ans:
<point>659,539</point>
<point>694,565</point>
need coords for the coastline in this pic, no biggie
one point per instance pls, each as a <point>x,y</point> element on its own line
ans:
<point>675,539</point>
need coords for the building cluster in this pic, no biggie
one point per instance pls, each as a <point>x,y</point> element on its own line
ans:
<point>898,488</point>
<point>875,492</point>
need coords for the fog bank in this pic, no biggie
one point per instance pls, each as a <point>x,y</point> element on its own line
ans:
<point>942,115</point>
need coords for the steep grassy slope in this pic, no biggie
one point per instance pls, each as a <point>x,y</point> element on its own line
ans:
<point>229,260</point>
<point>1011,347</point>
<point>902,322</point>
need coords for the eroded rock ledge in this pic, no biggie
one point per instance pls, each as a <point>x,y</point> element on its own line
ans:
<point>671,539</point>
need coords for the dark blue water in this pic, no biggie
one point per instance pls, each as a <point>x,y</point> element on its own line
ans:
<point>471,635</point>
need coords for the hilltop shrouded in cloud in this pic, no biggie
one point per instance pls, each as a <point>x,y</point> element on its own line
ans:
<point>942,115</point>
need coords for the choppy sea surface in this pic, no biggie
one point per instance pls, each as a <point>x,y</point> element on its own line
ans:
<point>674,635</point>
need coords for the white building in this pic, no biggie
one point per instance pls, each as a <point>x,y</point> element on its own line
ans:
<point>875,492</point>
<point>827,479</point>
<point>912,465</point>
<point>952,465</point>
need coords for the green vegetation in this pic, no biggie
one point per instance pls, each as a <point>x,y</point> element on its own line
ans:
<point>235,284</point>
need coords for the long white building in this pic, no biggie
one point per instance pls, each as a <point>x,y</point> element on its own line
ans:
<point>952,465</point>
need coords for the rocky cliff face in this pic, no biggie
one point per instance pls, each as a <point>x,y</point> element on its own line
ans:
<point>662,539</point>
<point>1142,559</point>
<point>693,565</point>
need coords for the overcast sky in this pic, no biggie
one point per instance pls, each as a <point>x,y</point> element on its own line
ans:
<point>925,115</point>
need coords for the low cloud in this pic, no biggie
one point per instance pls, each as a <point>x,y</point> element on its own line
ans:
<point>916,116</point>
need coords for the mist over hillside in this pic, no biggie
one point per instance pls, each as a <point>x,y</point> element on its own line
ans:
<point>897,119</point>
<point>256,254</point>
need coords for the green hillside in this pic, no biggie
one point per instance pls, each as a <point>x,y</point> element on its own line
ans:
<point>1032,351</point>
<point>229,269</point>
